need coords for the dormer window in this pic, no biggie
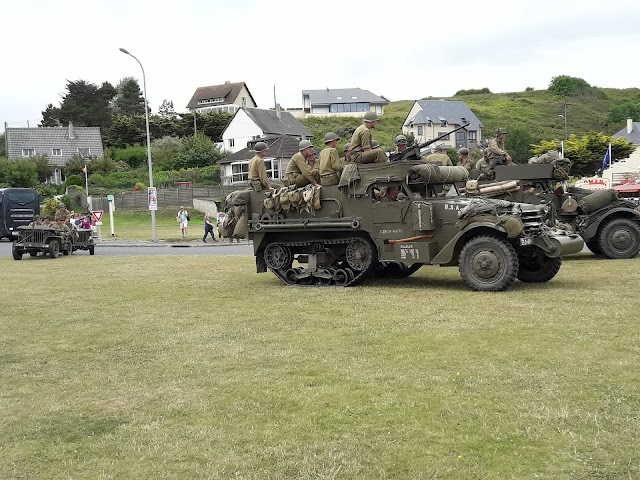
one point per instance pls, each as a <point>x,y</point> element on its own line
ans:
<point>206,101</point>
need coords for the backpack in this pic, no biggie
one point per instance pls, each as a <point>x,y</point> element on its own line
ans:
<point>188,218</point>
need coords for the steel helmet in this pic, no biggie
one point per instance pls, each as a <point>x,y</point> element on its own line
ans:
<point>371,117</point>
<point>501,130</point>
<point>304,144</point>
<point>260,147</point>
<point>374,144</point>
<point>330,137</point>
<point>346,147</point>
<point>463,151</point>
<point>401,139</point>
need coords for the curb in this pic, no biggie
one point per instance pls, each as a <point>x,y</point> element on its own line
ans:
<point>165,244</point>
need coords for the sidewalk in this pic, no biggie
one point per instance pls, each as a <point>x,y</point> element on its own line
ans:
<point>107,242</point>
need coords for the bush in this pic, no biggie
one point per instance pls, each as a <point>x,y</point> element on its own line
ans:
<point>47,190</point>
<point>49,207</point>
<point>472,91</point>
<point>74,180</point>
<point>133,156</point>
<point>163,152</point>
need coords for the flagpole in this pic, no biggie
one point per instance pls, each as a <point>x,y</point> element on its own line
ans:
<point>610,171</point>
<point>86,180</point>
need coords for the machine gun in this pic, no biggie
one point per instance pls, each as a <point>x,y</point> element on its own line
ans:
<point>413,152</point>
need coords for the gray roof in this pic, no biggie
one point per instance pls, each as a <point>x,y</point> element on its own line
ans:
<point>228,91</point>
<point>453,111</point>
<point>270,124</point>
<point>330,95</point>
<point>279,147</point>
<point>633,137</point>
<point>44,139</point>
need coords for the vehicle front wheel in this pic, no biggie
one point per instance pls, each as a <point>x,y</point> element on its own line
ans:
<point>16,252</point>
<point>54,249</point>
<point>619,238</point>
<point>488,263</point>
<point>536,267</point>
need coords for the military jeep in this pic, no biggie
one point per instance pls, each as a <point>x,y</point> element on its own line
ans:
<point>344,234</point>
<point>82,239</point>
<point>40,238</point>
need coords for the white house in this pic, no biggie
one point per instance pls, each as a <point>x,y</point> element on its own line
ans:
<point>429,119</point>
<point>341,102</point>
<point>228,97</point>
<point>630,166</point>
<point>253,123</point>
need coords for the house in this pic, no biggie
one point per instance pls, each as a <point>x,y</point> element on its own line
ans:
<point>341,101</point>
<point>228,97</point>
<point>252,123</point>
<point>629,167</point>
<point>234,168</point>
<point>57,144</point>
<point>429,119</point>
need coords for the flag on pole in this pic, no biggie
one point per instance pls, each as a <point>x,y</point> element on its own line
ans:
<point>562,149</point>
<point>84,169</point>
<point>607,159</point>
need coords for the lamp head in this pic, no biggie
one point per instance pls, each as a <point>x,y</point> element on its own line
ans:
<point>124,50</point>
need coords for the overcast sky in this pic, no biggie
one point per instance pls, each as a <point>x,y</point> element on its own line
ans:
<point>386,47</point>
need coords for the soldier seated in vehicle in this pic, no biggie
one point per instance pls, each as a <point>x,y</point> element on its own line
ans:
<point>46,221</point>
<point>36,221</point>
<point>392,193</point>
<point>302,169</point>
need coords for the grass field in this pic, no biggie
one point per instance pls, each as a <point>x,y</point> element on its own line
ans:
<point>196,367</point>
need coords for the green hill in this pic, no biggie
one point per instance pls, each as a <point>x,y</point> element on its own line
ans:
<point>534,112</point>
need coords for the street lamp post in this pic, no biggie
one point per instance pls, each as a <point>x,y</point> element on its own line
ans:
<point>565,125</point>
<point>154,237</point>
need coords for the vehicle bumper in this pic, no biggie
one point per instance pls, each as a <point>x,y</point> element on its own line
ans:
<point>560,245</point>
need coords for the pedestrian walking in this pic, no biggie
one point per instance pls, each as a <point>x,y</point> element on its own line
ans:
<point>208,228</point>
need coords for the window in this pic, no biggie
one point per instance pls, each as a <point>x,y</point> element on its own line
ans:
<point>348,107</point>
<point>240,172</point>
<point>84,152</point>
<point>459,136</point>
<point>28,152</point>
<point>272,169</point>
<point>354,98</point>
<point>447,137</point>
<point>420,130</point>
<point>56,152</point>
<point>204,101</point>
<point>338,98</point>
<point>244,101</point>
<point>232,142</point>
<point>472,136</point>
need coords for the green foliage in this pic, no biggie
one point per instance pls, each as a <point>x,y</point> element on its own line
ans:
<point>21,173</point>
<point>129,100</point>
<point>3,145</point>
<point>163,152</point>
<point>125,130</point>
<point>48,190</point>
<point>135,156</point>
<point>84,104</point>
<point>567,86</point>
<point>529,89</point>
<point>587,152</point>
<point>472,91</point>
<point>50,116</point>
<point>74,180</point>
<point>75,165</point>
<point>518,144</point>
<point>49,207</point>
<point>140,186</point>
<point>5,166</point>
<point>197,151</point>
<point>629,108</point>
<point>166,109</point>
<point>43,169</point>
<point>66,199</point>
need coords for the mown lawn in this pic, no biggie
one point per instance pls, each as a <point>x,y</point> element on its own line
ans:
<point>196,367</point>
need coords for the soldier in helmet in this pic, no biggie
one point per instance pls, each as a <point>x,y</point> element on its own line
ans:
<point>330,163</point>
<point>36,221</point>
<point>46,221</point>
<point>361,150</point>
<point>401,143</point>
<point>62,213</point>
<point>463,159</point>
<point>302,169</point>
<point>439,157</point>
<point>494,154</point>
<point>257,171</point>
<point>345,152</point>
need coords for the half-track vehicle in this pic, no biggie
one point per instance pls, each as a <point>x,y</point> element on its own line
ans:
<point>609,225</point>
<point>342,235</point>
<point>35,239</point>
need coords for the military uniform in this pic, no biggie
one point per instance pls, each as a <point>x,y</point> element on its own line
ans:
<point>495,152</point>
<point>300,173</point>
<point>330,166</point>
<point>258,174</point>
<point>360,140</point>
<point>62,214</point>
<point>440,159</point>
<point>468,164</point>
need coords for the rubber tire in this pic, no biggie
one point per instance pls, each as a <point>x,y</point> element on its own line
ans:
<point>609,229</point>
<point>65,252</point>
<point>368,271</point>
<point>17,254</point>
<point>91,249</point>
<point>502,249</point>
<point>594,247</point>
<point>540,272</point>
<point>54,249</point>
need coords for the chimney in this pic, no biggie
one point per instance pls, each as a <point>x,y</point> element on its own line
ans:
<point>629,125</point>
<point>71,129</point>
<point>227,81</point>
<point>278,111</point>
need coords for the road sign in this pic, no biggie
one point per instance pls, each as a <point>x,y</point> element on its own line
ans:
<point>97,216</point>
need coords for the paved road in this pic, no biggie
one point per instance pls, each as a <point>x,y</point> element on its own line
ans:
<point>145,249</point>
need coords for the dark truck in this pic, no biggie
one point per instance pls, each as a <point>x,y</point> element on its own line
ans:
<point>18,206</point>
<point>609,225</point>
<point>342,235</point>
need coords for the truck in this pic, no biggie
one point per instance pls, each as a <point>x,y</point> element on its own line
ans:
<point>18,206</point>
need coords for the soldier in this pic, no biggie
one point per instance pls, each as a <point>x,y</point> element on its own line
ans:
<point>495,153</point>
<point>463,159</point>
<point>62,226</point>
<point>401,143</point>
<point>330,164</point>
<point>391,195</point>
<point>302,168</point>
<point>345,152</point>
<point>439,158</point>
<point>36,221</point>
<point>257,171</point>
<point>361,150</point>
<point>62,213</point>
<point>46,221</point>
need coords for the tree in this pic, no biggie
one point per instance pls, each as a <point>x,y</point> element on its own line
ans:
<point>518,144</point>
<point>3,145</point>
<point>166,109</point>
<point>50,116</point>
<point>43,169</point>
<point>86,104</point>
<point>623,110</point>
<point>587,152</point>
<point>22,173</point>
<point>125,130</point>
<point>164,151</point>
<point>129,99</point>
<point>197,151</point>
<point>567,86</point>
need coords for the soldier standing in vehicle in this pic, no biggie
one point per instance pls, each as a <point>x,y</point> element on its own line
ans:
<point>401,143</point>
<point>463,159</point>
<point>439,158</point>
<point>62,213</point>
<point>361,150</point>
<point>257,171</point>
<point>330,163</point>
<point>302,169</point>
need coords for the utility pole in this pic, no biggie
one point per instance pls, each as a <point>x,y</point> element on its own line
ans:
<point>195,125</point>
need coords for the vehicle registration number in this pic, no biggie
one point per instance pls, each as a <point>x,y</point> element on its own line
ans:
<point>526,241</point>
